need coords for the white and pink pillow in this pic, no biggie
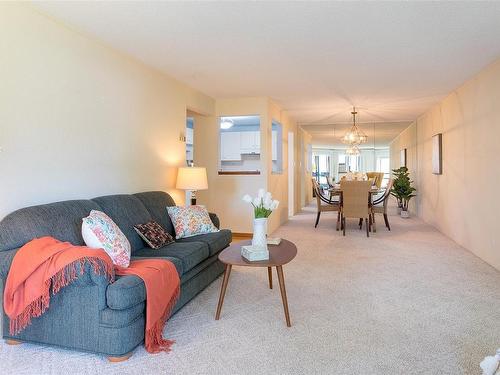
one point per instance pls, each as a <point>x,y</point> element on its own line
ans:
<point>190,221</point>
<point>99,231</point>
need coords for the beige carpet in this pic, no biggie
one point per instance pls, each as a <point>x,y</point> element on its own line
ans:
<point>409,301</point>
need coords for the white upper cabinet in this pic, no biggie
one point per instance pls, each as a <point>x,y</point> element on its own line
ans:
<point>230,148</point>
<point>189,136</point>
<point>250,142</point>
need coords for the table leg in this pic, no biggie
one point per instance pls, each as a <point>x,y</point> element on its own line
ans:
<point>281,280</point>
<point>225,280</point>
<point>270,275</point>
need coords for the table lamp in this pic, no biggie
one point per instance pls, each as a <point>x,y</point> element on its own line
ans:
<point>192,179</point>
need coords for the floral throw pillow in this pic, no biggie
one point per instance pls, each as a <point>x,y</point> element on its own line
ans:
<point>153,234</point>
<point>99,231</point>
<point>190,221</point>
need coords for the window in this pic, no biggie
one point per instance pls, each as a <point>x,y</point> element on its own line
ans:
<point>277,147</point>
<point>239,151</point>
<point>321,168</point>
<point>189,141</point>
<point>354,163</point>
<point>384,165</point>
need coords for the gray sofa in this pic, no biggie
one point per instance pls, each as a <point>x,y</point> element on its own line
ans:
<point>91,314</point>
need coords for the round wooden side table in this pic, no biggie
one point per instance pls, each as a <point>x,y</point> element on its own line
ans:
<point>279,255</point>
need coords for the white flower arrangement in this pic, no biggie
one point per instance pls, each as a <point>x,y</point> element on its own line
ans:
<point>491,364</point>
<point>263,204</point>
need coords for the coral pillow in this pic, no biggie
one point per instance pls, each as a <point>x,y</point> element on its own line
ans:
<point>189,221</point>
<point>153,234</point>
<point>99,231</point>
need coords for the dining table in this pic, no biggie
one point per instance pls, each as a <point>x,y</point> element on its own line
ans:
<point>336,190</point>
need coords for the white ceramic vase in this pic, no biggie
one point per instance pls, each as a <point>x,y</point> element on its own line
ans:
<point>405,214</point>
<point>259,232</point>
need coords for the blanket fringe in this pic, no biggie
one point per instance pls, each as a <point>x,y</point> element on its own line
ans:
<point>154,341</point>
<point>61,279</point>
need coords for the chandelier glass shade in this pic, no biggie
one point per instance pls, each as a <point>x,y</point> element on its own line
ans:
<point>353,150</point>
<point>355,135</point>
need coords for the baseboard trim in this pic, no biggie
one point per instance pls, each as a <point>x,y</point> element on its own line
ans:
<point>242,235</point>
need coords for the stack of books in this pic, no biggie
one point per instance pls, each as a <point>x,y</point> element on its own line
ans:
<point>254,253</point>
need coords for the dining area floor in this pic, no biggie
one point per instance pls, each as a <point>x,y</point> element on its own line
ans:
<point>405,301</point>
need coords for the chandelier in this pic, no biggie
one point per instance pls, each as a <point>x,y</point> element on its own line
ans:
<point>353,150</point>
<point>355,135</point>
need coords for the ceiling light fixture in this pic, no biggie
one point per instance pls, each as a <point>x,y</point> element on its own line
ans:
<point>353,150</point>
<point>226,123</point>
<point>354,136</point>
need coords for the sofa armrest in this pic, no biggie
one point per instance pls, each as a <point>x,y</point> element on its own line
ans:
<point>6,258</point>
<point>215,219</point>
<point>89,277</point>
<point>125,292</point>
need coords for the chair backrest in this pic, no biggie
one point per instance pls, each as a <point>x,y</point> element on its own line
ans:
<point>378,176</point>
<point>330,181</point>
<point>387,192</point>
<point>355,198</point>
<point>317,190</point>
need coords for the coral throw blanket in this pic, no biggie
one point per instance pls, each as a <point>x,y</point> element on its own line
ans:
<point>46,264</point>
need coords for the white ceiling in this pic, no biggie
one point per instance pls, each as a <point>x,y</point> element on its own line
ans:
<point>393,60</point>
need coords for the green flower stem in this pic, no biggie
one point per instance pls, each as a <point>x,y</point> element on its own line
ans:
<point>261,212</point>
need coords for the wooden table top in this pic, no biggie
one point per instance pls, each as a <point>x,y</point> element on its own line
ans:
<point>278,254</point>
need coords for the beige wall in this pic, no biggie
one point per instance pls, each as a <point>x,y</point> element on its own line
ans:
<point>407,139</point>
<point>462,202</point>
<point>79,119</point>
<point>304,139</point>
<point>225,192</point>
<point>278,183</point>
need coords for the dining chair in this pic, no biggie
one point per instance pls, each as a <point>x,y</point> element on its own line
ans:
<point>378,176</point>
<point>355,202</point>
<point>379,206</point>
<point>324,204</point>
<point>330,181</point>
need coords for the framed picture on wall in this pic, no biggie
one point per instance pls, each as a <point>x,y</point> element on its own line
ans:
<point>437,154</point>
<point>403,157</point>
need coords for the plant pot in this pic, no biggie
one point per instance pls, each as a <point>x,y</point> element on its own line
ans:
<point>405,214</point>
<point>260,233</point>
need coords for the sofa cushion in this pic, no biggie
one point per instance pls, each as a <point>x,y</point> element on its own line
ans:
<point>156,203</point>
<point>190,253</point>
<point>61,220</point>
<point>125,211</point>
<point>215,241</point>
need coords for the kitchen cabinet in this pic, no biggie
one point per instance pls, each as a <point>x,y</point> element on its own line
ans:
<point>230,149</point>
<point>189,136</point>
<point>250,142</point>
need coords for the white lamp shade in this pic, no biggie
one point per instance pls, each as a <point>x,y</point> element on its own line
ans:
<point>192,178</point>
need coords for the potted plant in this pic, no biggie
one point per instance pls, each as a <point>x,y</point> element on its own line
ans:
<point>402,189</point>
<point>263,206</point>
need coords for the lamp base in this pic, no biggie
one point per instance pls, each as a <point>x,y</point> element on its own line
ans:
<point>193,198</point>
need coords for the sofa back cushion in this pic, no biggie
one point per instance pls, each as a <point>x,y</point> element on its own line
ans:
<point>157,202</point>
<point>61,220</point>
<point>126,211</point>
